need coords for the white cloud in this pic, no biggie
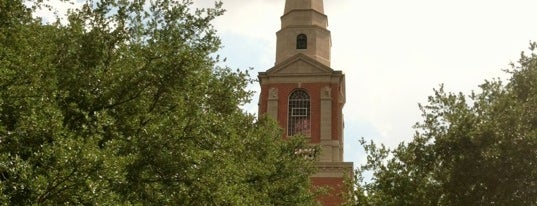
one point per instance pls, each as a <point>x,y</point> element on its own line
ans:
<point>58,9</point>
<point>395,52</point>
<point>252,19</point>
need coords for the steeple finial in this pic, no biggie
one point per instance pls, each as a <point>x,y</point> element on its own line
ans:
<point>316,5</point>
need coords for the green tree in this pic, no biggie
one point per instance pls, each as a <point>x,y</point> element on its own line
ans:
<point>125,104</point>
<point>476,149</point>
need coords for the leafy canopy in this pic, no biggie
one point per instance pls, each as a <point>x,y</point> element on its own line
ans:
<point>476,149</point>
<point>125,105</point>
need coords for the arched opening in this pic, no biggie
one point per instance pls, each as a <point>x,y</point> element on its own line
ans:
<point>301,41</point>
<point>299,118</point>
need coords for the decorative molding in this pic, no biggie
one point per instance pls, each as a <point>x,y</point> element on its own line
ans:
<point>315,66</point>
<point>334,169</point>
<point>272,103</point>
<point>266,80</point>
<point>273,93</point>
<point>326,93</point>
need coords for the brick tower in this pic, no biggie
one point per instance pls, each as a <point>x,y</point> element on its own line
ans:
<point>305,95</point>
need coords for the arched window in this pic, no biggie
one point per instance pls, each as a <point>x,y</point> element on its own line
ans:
<point>301,41</point>
<point>299,121</point>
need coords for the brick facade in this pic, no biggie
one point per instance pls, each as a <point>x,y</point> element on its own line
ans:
<point>309,70</point>
<point>314,89</point>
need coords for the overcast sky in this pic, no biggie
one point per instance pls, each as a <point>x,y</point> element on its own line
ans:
<point>393,53</point>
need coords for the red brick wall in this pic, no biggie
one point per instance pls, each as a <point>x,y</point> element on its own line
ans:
<point>314,90</point>
<point>336,187</point>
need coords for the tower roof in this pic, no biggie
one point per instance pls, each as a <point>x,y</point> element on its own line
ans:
<point>316,5</point>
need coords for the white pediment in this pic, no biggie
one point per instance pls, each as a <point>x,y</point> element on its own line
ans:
<point>300,64</point>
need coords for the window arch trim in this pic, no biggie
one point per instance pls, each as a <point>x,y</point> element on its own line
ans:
<point>299,113</point>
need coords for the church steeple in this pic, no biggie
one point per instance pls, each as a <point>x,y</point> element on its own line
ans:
<point>306,96</point>
<point>304,30</point>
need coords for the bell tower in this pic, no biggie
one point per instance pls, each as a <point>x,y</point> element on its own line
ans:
<point>305,95</point>
<point>305,22</point>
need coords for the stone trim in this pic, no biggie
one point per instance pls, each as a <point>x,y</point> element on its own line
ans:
<point>326,114</point>
<point>334,169</point>
<point>264,80</point>
<point>300,57</point>
<point>272,103</point>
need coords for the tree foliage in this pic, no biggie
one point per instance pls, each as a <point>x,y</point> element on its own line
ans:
<point>125,105</point>
<point>476,149</point>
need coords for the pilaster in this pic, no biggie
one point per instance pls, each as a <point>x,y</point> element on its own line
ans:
<point>272,103</point>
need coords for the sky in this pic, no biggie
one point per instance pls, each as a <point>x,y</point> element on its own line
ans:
<point>392,52</point>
